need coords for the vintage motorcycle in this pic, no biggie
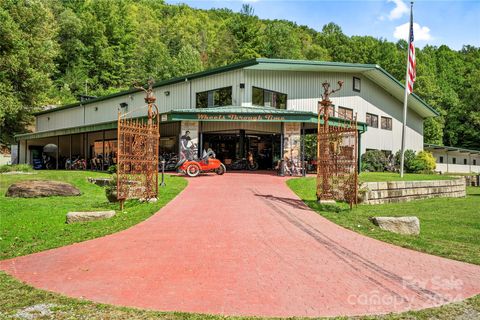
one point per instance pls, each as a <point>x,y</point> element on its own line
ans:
<point>245,164</point>
<point>208,163</point>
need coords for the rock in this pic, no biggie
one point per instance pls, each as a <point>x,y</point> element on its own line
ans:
<point>36,311</point>
<point>102,182</point>
<point>151,200</point>
<point>41,188</point>
<point>73,217</point>
<point>401,225</point>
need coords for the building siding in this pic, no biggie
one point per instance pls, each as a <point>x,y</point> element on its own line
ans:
<point>304,90</point>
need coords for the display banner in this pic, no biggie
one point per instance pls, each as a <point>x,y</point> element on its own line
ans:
<point>292,142</point>
<point>188,140</point>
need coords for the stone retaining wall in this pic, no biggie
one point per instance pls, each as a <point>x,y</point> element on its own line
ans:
<point>400,191</point>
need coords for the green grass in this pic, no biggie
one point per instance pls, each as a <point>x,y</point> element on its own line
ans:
<point>32,225</point>
<point>450,227</point>
<point>16,296</point>
<point>391,176</point>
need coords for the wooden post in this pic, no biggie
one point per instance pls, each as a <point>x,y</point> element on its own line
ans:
<point>70,152</point>
<point>58,152</point>
<point>103,150</point>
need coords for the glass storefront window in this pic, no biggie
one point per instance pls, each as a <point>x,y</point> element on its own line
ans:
<point>268,98</point>
<point>214,98</point>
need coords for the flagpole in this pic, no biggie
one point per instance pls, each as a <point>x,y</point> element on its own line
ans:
<point>405,98</point>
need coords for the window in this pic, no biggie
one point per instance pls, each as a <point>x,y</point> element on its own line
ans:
<point>214,98</point>
<point>454,160</point>
<point>464,161</point>
<point>386,123</point>
<point>441,160</point>
<point>356,84</point>
<point>474,162</point>
<point>372,120</point>
<point>267,98</point>
<point>345,113</point>
<point>387,153</point>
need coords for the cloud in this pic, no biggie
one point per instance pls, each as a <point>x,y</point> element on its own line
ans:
<point>420,33</point>
<point>400,9</point>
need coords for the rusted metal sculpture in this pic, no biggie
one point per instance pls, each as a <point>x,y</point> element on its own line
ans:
<point>337,170</point>
<point>137,155</point>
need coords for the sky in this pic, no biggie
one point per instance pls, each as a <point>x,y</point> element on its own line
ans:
<point>453,23</point>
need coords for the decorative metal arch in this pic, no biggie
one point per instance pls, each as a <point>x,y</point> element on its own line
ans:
<point>337,156</point>
<point>137,156</point>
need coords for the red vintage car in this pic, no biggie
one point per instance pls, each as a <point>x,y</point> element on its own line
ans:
<point>207,164</point>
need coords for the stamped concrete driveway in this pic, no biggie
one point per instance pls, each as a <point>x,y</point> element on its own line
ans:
<point>244,244</point>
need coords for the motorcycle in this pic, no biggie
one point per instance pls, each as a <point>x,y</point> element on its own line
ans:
<point>208,163</point>
<point>244,164</point>
<point>76,164</point>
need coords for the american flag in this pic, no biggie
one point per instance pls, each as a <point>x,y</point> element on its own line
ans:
<point>412,73</point>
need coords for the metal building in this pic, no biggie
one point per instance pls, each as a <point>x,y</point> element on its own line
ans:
<point>259,105</point>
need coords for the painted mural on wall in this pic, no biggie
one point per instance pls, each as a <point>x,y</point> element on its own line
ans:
<point>291,143</point>
<point>188,140</point>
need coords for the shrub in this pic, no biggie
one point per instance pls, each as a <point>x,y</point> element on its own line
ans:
<point>374,160</point>
<point>424,162</point>
<point>111,189</point>
<point>112,169</point>
<point>15,167</point>
<point>408,160</point>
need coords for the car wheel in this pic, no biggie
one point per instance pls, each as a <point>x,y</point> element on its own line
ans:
<point>193,170</point>
<point>221,170</point>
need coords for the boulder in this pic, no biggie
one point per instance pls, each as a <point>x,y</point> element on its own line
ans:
<point>41,188</point>
<point>401,225</point>
<point>73,217</point>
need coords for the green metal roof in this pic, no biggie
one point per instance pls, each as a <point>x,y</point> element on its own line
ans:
<point>448,148</point>
<point>372,71</point>
<point>67,131</point>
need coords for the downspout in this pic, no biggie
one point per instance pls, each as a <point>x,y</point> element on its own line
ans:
<point>281,150</point>
<point>359,151</point>
<point>304,169</point>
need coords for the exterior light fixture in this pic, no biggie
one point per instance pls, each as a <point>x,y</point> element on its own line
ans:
<point>123,105</point>
<point>167,93</point>
<point>242,85</point>
<point>96,108</point>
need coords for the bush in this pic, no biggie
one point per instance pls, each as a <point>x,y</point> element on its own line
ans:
<point>424,162</point>
<point>408,161</point>
<point>111,189</point>
<point>112,169</point>
<point>374,160</point>
<point>15,167</point>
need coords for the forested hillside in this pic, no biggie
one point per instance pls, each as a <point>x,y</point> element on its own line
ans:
<point>52,50</point>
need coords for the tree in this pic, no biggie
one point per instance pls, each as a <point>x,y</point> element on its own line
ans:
<point>28,47</point>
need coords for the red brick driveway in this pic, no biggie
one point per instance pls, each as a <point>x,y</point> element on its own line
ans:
<point>244,244</point>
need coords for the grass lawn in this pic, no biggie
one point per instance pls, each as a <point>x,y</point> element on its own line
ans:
<point>42,222</point>
<point>32,225</point>
<point>450,227</point>
<point>16,296</point>
<point>391,176</point>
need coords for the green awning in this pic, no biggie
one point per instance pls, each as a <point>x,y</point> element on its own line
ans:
<point>252,114</point>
